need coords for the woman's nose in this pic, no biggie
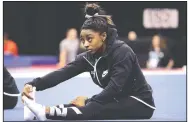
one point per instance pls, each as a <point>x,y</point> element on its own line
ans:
<point>86,44</point>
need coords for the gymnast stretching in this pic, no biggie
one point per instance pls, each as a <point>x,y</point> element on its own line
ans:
<point>112,65</point>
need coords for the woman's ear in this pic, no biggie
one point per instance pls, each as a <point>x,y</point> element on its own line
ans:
<point>103,36</point>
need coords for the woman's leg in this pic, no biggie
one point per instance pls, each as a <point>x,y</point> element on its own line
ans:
<point>57,112</point>
<point>9,83</point>
<point>9,86</point>
<point>126,108</point>
<point>9,102</point>
<point>63,112</point>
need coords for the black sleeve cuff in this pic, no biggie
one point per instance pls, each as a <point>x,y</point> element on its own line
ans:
<point>34,83</point>
<point>86,101</point>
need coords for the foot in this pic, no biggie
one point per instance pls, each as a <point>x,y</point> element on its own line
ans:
<point>37,109</point>
<point>28,115</point>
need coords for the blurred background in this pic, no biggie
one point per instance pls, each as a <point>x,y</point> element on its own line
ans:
<point>37,28</point>
<point>40,37</point>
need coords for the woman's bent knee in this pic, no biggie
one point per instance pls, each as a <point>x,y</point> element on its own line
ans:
<point>10,103</point>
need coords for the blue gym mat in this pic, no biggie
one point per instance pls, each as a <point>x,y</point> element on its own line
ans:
<point>169,93</point>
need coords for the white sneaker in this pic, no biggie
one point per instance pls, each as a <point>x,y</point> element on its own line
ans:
<point>37,109</point>
<point>28,115</point>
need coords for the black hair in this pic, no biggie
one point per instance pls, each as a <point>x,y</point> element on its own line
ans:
<point>162,42</point>
<point>96,20</point>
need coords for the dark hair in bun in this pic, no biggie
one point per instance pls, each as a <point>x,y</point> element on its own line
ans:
<point>92,9</point>
<point>96,20</point>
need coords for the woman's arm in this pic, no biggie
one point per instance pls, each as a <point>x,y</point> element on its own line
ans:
<point>147,64</point>
<point>62,58</point>
<point>121,69</point>
<point>169,59</point>
<point>54,78</point>
<point>170,64</point>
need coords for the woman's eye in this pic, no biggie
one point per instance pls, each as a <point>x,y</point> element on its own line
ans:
<point>89,39</point>
<point>82,40</point>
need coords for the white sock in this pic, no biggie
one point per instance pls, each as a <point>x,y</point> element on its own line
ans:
<point>28,115</point>
<point>37,109</point>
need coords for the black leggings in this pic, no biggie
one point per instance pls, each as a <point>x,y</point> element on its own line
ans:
<point>9,102</point>
<point>9,86</point>
<point>127,108</point>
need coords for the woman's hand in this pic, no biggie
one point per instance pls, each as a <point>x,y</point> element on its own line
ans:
<point>79,101</point>
<point>26,90</point>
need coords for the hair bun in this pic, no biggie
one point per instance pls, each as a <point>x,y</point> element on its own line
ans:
<point>91,9</point>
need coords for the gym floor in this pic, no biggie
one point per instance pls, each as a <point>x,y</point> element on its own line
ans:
<point>169,92</point>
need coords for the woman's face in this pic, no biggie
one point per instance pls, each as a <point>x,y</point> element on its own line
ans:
<point>72,34</point>
<point>156,41</point>
<point>92,40</point>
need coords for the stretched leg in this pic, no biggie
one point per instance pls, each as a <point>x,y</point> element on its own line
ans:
<point>125,108</point>
<point>28,115</point>
<point>57,112</point>
<point>63,112</point>
<point>87,112</point>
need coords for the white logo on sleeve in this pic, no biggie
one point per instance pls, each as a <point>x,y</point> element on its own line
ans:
<point>104,73</point>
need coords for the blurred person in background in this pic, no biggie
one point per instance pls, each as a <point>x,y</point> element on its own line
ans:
<point>159,55</point>
<point>132,36</point>
<point>68,48</point>
<point>10,47</point>
<point>10,87</point>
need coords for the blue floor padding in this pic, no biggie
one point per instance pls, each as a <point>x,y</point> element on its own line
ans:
<point>169,94</point>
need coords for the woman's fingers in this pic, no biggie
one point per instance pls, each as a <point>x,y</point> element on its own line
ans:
<point>27,95</point>
<point>27,90</point>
